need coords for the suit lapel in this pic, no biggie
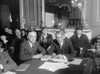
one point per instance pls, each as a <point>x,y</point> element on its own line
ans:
<point>64,46</point>
<point>34,48</point>
<point>30,49</point>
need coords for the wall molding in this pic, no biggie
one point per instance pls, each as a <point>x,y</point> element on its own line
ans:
<point>98,11</point>
<point>66,6</point>
<point>22,20</point>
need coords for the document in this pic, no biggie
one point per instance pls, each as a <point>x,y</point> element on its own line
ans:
<point>76,61</point>
<point>22,67</point>
<point>46,57</point>
<point>9,72</point>
<point>50,66</point>
<point>59,60</point>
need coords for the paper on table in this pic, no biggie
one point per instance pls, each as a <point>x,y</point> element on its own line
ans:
<point>9,72</point>
<point>59,60</point>
<point>53,66</point>
<point>22,67</point>
<point>76,61</point>
<point>45,57</point>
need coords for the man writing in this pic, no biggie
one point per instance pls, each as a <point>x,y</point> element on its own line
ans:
<point>62,47</point>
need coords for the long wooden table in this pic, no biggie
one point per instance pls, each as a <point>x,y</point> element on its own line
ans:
<point>34,64</point>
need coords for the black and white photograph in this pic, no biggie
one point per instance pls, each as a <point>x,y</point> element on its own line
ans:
<point>49,36</point>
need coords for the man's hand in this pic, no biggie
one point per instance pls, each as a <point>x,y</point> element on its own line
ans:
<point>37,56</point>
<point>60,56</point>
<point>53,55</point>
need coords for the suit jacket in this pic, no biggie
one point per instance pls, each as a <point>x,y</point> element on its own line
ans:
<point>6,61</point>
<point>27,52</point>
<point>16,42</point>
<point>46,44</point>
<point>67,49</point>
<point>83,42</point>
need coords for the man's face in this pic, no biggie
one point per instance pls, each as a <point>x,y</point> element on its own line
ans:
<point>6,30</point>
<point>23,32</point>
<point>79,32</point>
<point>59,38</point>
<point>3,37</point>
<point>18,33</point>
<point>32,37</point>
<point>44,32</point>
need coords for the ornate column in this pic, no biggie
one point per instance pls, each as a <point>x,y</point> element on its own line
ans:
<point>84,6</point>
<point>43,13</point>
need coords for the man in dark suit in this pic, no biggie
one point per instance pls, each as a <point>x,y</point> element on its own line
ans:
<point>6,62</point>
<point>62,47</point>
<point>80,42</point>
<point>14,48</point>
<point>30,48</point>
<point>45,40</point>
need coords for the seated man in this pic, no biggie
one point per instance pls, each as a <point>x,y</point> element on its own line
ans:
<point>80,42</point>
<point>45,40</point>
<point>93,61</point>
<point>6,63</point>
<point>62,47</point>
<point>30,48</point>
<point>15,45</point>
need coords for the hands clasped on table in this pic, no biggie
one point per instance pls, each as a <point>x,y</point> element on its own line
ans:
<point>54,57</point>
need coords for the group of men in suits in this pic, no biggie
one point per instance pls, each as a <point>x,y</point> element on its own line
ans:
<point>6,62</point>
<point>61,47</point>
<point>30,48</point>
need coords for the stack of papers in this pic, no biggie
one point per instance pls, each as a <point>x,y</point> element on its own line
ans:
<point>9,72</point>
<point>76,61</point>
<point>22,67</point>
<point>46,57</point>
<point>50,66</point>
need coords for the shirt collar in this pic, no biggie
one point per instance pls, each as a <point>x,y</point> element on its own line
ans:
<point>30,43</point>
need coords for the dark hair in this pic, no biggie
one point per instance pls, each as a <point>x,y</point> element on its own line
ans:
<point>79,28</point>
<point>23,30</point>
<point>31,31</point>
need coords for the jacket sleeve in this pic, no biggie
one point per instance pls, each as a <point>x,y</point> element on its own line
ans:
<point>50,39</point>
<point>51,50</point>
<point>87,43</point>
<point>10,64</point>
<point>55,48</point>
<point>41,49</point>
<point>72,52</point>
<point>24,56</point>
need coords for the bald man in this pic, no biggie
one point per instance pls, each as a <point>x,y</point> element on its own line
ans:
<point>30,48</point>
